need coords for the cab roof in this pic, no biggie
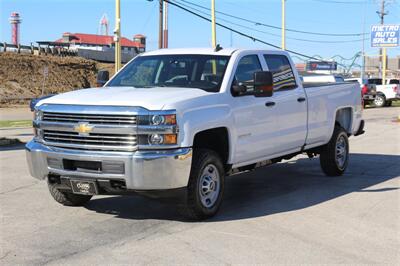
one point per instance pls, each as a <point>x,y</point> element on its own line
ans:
<point>203,51</point>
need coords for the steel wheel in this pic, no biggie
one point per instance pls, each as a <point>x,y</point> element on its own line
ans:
<point>341,152</point>
<point>209,186</point>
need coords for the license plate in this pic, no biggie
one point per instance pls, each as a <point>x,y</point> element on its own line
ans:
<point>85,187</point>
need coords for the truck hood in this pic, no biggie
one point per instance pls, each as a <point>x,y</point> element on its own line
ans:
<point>150,98</point>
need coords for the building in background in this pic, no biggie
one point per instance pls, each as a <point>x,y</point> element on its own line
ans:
<point>103,42</point>
<point>99,47</point>
<point>392,68</point>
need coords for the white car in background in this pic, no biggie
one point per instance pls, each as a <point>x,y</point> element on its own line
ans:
<point>386,94</point>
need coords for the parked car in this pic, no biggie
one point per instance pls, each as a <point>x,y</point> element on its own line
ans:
<point>386,94</point>
<point>368,89</point>
<point>34,101</point>
<point>174,123</point>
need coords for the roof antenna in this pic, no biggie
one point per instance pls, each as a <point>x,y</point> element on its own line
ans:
<point>218,48</point>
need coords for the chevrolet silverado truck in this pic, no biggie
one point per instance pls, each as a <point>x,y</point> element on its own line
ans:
<point>173,123</point>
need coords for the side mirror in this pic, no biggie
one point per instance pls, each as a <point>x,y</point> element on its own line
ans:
<point>102,77</point>
<point>263,84</point>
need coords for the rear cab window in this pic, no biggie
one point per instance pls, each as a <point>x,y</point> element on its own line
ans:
<point>282,72</point>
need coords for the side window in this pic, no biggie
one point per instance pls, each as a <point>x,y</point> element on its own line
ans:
<point>245,70</point>
<point>282,72</point>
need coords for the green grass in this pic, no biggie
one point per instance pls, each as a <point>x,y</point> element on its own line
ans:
<point>396,103</point>
<point>15,123</point>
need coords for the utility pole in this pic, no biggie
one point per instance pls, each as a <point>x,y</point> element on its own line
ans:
<point>362,74</point>
<point>213,27</point>
<point>382,51</point>
<point>160,24</point>
<point>117,36</point>
<point>283,26</point>
<point>165,37</point>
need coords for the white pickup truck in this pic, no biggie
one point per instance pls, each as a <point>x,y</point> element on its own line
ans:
<point>175,122</point>
<point>388,93</point>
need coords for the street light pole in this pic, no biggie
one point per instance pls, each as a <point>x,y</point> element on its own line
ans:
<point>213,28</point>
<point>117,36</point>
<point>160,25</point>
<point>283,26</point>
<point>165,28</point>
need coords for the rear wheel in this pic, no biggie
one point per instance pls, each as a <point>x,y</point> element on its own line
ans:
<point>380,100</point>
<point>335,155</point>
<point>206,185</point>
<point>67,198</point>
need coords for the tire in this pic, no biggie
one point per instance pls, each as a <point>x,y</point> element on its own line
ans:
<point>206,186</point>
<point>68,198</point>
<point>380,100</point>
<point>334,156</point>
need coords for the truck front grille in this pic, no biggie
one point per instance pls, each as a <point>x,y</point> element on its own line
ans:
<point>90,118</point>
<point>96,141</point>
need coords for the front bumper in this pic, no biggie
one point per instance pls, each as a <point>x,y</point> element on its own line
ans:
<point>142,170</point>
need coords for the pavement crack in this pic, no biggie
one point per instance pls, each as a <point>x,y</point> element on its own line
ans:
<point>18,188</point>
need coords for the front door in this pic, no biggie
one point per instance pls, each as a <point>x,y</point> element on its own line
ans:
<point>255,123</point>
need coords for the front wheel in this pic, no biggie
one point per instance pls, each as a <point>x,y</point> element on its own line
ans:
<point>335,155</point>
<point>380,100</point>
<point>206,185</point>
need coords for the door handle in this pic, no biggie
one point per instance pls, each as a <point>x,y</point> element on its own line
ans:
<point>269,104</point>
<point>301,99</point>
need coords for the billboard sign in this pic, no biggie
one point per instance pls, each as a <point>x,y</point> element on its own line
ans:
<point>321,65</point>
<point>385,35</point>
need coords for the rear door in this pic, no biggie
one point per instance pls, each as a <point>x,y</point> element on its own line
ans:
<point>290,104</point>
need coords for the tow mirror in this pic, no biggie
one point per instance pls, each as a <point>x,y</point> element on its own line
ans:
<point>263,84</point>
<point>102,77</point>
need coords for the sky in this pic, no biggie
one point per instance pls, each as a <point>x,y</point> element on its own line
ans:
<point>48,19</point>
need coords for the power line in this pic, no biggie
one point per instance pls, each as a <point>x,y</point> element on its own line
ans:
<point>241,33</point>
<point>257,23</point>
<point>269,33</point>
<point>339,2</point>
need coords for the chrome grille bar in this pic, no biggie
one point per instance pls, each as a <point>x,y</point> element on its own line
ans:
<point>90,118</point>
<point>91,141</point>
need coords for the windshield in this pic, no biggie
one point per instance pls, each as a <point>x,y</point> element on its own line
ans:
<point>190,71</point>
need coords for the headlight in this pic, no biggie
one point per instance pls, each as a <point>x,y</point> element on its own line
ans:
<point>163,120</point>
<point>37,115</point>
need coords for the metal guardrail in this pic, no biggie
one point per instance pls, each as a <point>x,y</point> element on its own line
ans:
<point>58,51</point>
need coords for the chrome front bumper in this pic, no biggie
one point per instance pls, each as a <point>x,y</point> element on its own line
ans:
<point>143,170</point>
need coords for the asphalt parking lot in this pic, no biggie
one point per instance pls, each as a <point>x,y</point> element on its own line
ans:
<point>289,213</point>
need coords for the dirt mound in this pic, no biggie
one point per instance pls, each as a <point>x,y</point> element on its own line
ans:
<point>21,75</point>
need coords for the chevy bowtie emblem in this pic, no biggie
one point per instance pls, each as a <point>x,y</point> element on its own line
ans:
<point>83,129</point>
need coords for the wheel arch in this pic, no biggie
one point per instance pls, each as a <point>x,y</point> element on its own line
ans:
<point>216,139</point>
<point>344,118</point>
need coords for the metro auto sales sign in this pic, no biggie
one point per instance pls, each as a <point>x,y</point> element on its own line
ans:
<point>385,35</point>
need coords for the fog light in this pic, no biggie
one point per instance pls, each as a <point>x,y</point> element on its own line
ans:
<point>156,139</point>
